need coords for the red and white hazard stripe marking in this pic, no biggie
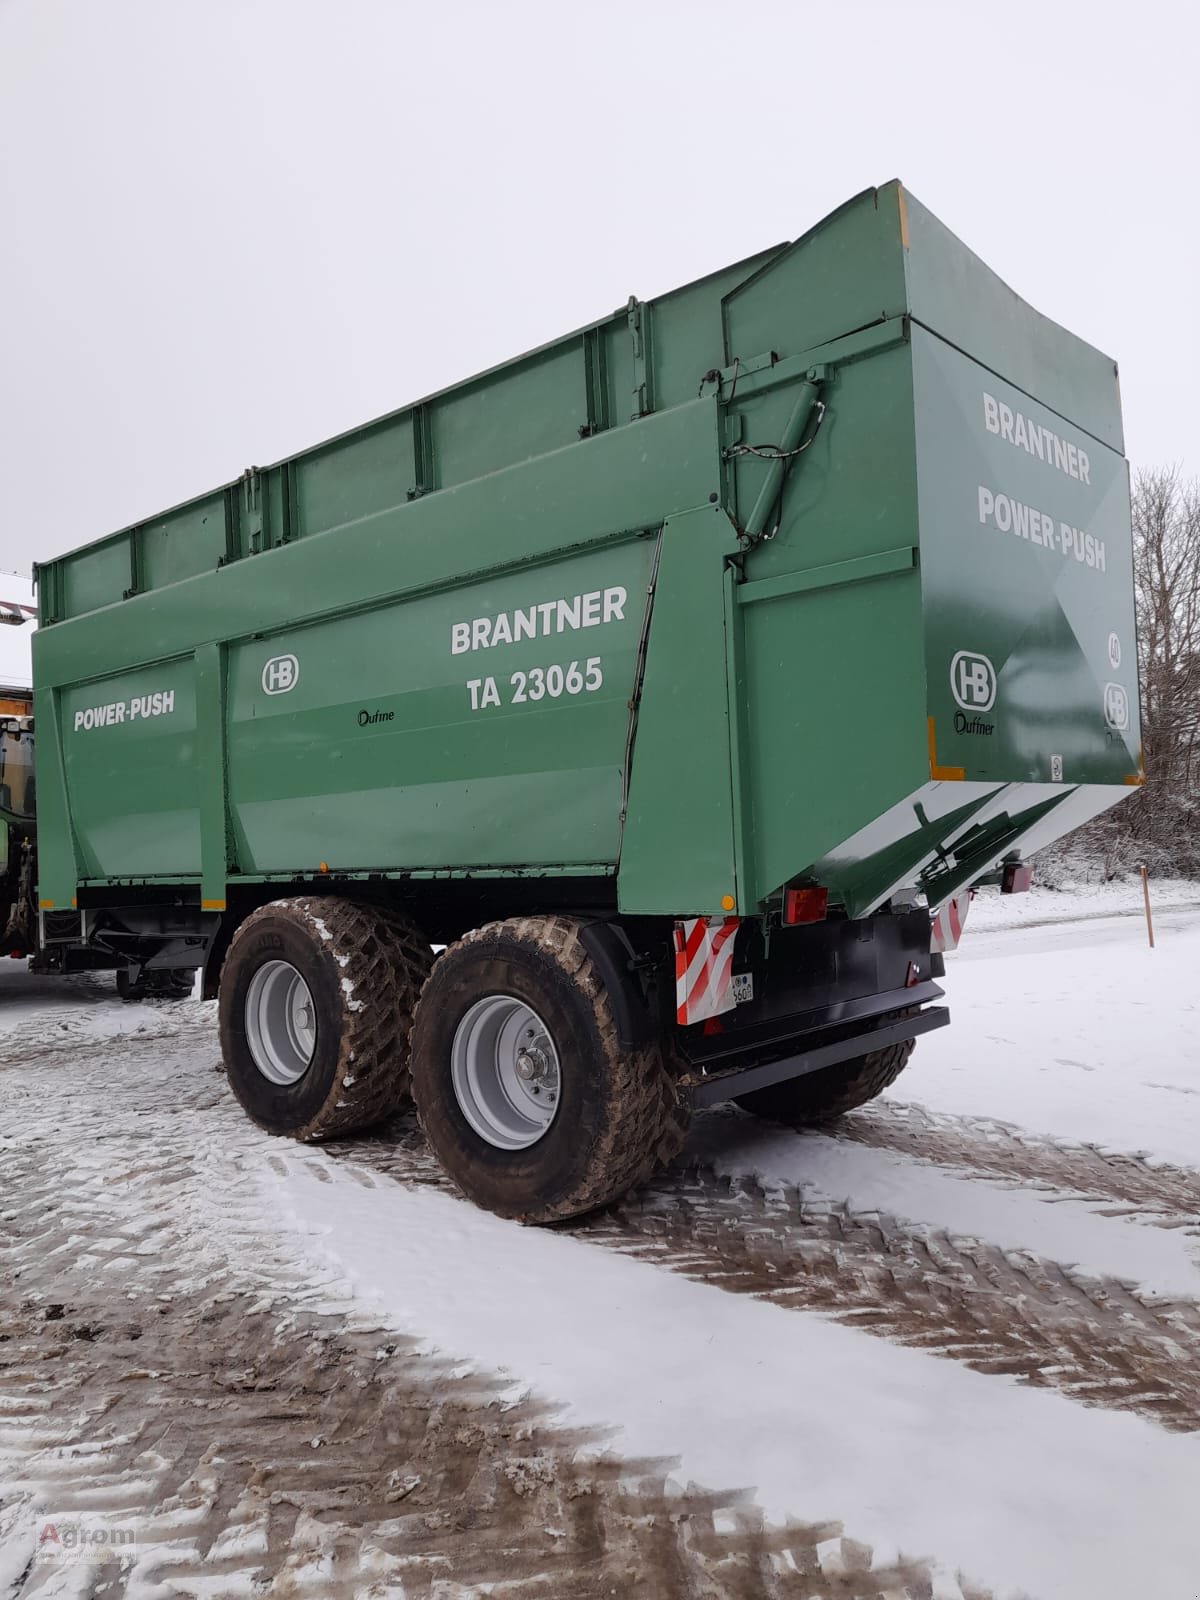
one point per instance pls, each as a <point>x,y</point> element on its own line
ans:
<point>948,922</point>
<point>704,967</point>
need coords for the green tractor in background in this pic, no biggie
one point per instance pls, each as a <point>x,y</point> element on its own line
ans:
<point>18,835</point>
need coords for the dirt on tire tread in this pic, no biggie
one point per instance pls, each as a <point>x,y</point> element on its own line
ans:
<point>650,1117</point>
<point>385,958</point>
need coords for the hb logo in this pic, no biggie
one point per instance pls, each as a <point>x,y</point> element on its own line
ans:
<point>1116,707</point>
<point>973,681</point>
<point>280,674</point>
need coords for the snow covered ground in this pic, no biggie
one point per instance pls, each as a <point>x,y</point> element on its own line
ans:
<point>1077,1029</point>
<point>951,1349</point>
<point>991,910</point>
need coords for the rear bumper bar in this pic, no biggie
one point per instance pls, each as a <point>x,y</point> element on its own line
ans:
<point>715,1087</point>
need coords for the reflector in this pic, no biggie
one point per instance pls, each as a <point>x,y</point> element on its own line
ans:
<point>805,905</point>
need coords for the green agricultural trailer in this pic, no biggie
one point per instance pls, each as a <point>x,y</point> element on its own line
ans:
<point>680,677</point>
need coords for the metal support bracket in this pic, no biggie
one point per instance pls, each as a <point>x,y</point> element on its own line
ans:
<point>638,318</point>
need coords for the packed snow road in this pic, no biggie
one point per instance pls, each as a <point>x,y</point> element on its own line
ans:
<point>951,1349</point>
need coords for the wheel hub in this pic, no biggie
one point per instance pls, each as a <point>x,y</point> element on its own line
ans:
<point>505,1072</point>
<point>281,1023</point>
<point>532,1065</point>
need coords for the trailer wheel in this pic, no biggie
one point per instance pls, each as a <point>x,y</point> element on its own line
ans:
<point>316,1004</point>
<point>525,1092</point>
<point>823,1096</point>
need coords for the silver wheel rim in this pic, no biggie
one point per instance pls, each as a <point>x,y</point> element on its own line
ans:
<point>505,1072</point>
<point>281,1022</point>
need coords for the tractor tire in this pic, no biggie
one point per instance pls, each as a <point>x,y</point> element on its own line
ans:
<point>316,1006</point>
<point>820,1097</point>
<point>526,1094</point>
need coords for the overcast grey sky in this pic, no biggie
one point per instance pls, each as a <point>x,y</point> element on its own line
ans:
<point>233,227</point>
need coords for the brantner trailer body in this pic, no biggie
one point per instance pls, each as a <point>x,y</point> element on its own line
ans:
<point>675,676</point>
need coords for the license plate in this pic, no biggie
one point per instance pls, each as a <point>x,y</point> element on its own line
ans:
<point>743,987</point>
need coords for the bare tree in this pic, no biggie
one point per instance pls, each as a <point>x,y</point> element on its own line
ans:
<point>1161,824</point>
<point>1166,528</point>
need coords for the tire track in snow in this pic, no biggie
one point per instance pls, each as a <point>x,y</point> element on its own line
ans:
<point>970,1302</point>
<point>164,1356</point>
<point>1159,1193</point>
<point>995,1310</point>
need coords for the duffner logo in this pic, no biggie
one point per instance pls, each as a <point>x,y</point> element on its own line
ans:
<point>973,681</point>
<point>280,674</point>
<point>1116,707</point>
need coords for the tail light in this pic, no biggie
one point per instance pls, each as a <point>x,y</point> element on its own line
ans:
<point>805,905</point>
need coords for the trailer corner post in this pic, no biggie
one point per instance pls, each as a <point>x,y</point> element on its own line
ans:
<point>679,848</point>
<point>214,817</point>
<point>58,846</point>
